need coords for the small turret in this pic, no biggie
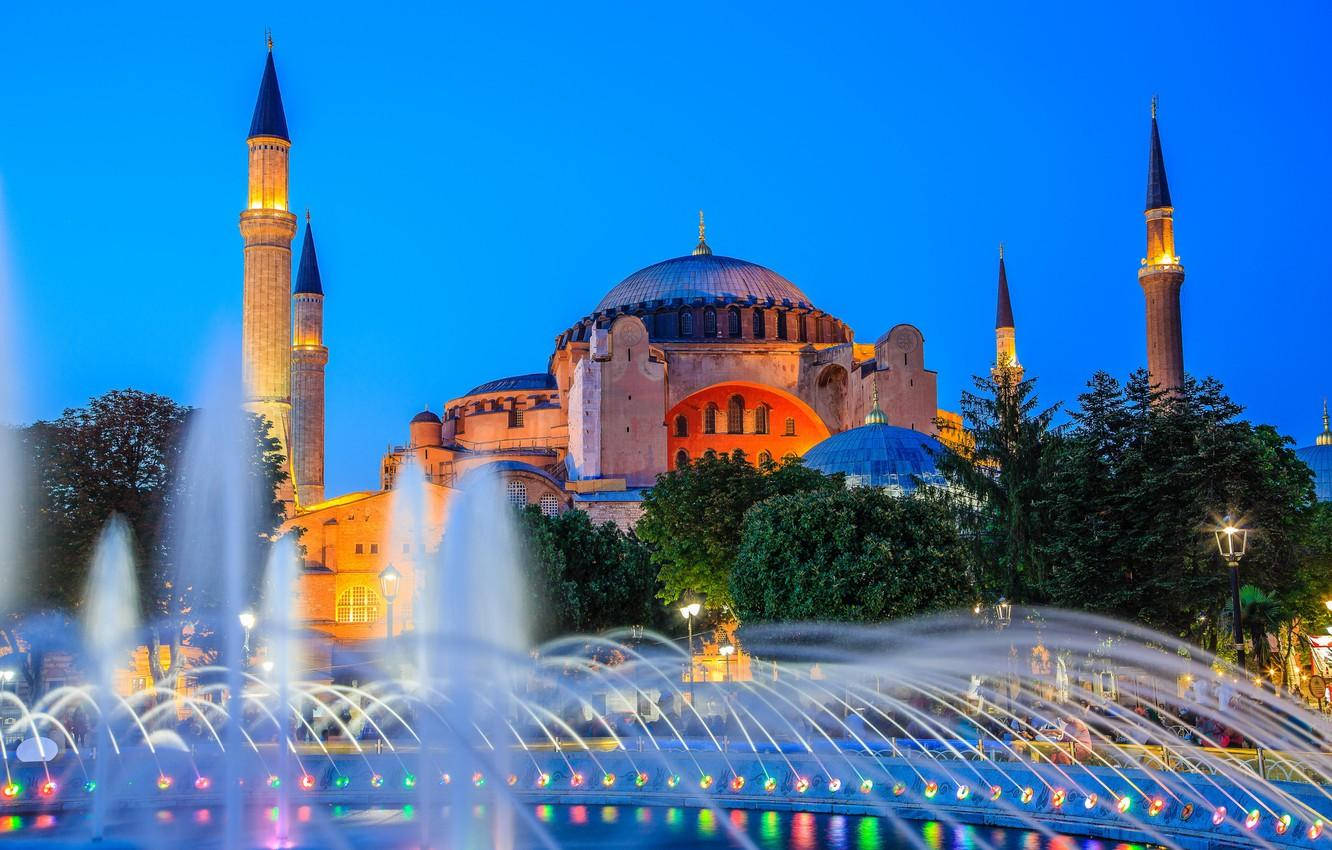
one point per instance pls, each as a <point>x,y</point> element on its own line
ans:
<point>425,430</point>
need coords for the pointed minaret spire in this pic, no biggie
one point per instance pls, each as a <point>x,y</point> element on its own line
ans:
<point>1158,189</point>
<point>1005,329</point>
<point>309,357</point>
<point>269,118</point>
<point>702,246</point>
<point>1161,274</point>
<point>1325,438</point>
<point>307,275</point>
<point>1003,317</point>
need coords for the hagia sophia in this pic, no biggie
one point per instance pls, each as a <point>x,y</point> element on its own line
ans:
<point>697,353</point>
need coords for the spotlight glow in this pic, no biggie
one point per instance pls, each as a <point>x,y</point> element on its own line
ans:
<point>163,782</point>
<point>1218,816</point>
<point>640,779</point>
<point>1186,812</point>
<point>202,783</point>
<point>511,779</point>
<point>342,782</point>
<point>1252,820</point>
<point>479,779</point>
<point>673,781</point>
<point>376,781</point>
<point>866,786</point>
<point>705,782</point>
<point>1155,806</point>
<point>90,786</point>
<point>543,780</point>
<point>408,780</point>
<point>47,788</point>
<point>737,782</point>
<point>770,784</point>
<point>1124,803</point>
<point>899,788</point>
<point>1283,823</point>
<point>996,792</point>
<point>1027,794</point>
<point>274,781</point>
<point>576,780</point>
<point>1058,798</point>
<point>11,790</point>
<point>931,788</point>
<point>801,785</point>
<point>1315,829</point>
<point>963,792</point>
<point>834,785</point>
<point>1090,801</point>
<point>445,779</point>
<point>307,782</point>
<point>608,780</point>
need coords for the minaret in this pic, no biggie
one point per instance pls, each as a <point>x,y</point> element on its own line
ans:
<point>309,355</point>
<point>1161,275</point>
<point>268,226</point>
<point>1005,331</point>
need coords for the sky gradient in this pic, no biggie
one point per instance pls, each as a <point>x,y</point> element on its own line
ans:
<point>479,177</point>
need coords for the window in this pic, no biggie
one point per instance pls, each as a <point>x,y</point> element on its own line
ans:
<point>761,419</point>
<point>686,323</point>
<point>374,548</point>
<point>461,426</point>
<point>709,323</point>
<point>735,415</point>
<point>550,506</point>
<point>358,604</point>
<point>681,459</point>
<point>781,325</point>
<point>765,458</point>
<point>733,322</point>
<point>406,548</point>
<point>360,548</point>
<point>516,491</point>
<point>515,417</point>
<point>710,419</point>
<point>663,323</point>
<point>681,426</point>
<point>790,427</point>
<point>760,330</point>
<point>801,334</point>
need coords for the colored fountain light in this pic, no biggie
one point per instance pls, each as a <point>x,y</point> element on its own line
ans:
<point>307,782</point>
<point>770,784</point>
<point>899,788</point>
<point>163,782</point>
<point>1155,806</point>
<point>1283,824</point>
<point>445,779</point>
<point>1218,816</point>
<point>479,779</point>
<point>1028,793</point>
<point>963,792</point>
<point>376,781</point>
<point>1090,801</point>
<point>576,780</point>
<point>409,780</point>
<point>202,783</point>
<point>801,785</point>
<point>511,779</point>
<point>834,785</point>
<point>608,780</point>
<point>11,790</point>
<point>274,781</point>
<point>931,788</point>
<point>996,792</point>
<point>640,779</point>
<point>543,780</point>
<point>1252,820</point>
<point>90,786</point>
<point>47,788</point>
<point>673,781</point>
<point>1186,812</point>
<point>1057,800</point>
<point>866,786</point>
<point>1315,829</point>
<point>706,782</point>
<point>342,782</point>
<point>1124,803</point>
<point>737,782</point>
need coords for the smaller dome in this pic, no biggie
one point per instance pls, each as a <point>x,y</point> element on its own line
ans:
<point>1318,457</point>
<point>426,416</point>
<point>879,455</point>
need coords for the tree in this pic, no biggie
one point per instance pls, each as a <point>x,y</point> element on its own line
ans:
<point>858,555</point>
<point>692,518</point>
<point>1261,614</point>
<point>1001,477</point>
<point>584,577</point>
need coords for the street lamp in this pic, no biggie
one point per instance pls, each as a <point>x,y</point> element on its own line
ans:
<point>246,618</point>
<point>727,650</point>
<point>6,677</point>
<point>689,612</point>
<point>1003,612</point>
<point>389,580</point>
<point>1231,541</point>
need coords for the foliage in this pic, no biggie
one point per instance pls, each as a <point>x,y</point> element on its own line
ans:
<point>1261,614</point>
<point>1137,484</point>
<point>584,577</point>
<point>1001,480</point>
<point>858,555</point>
<point>692,518</point>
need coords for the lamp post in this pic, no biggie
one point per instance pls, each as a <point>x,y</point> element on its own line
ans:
<point>727,650</point>
<point>6,678</point>
<point>689,612</point>
<point>389,580</point>
<point>1003,615</point>
<point>1231,542</point>
<point>246,618</point>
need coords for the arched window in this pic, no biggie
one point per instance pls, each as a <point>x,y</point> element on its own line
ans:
<point>516,492</point>
<point>781,324</point>
<point>515,417</point>
<point>802,334</point>
<point>681,426</point>
<point>709,323</point>
<point>686,323</point>
<point>710,419</point>
<point>790,427</point>
<point>733,322</point>
<point>550,506</point>
<point>357,604</point>
<point>735,415</point>
<point>760,330</point>
<point>761,419</point>
<point>765,458</point>
<point>681,459</point>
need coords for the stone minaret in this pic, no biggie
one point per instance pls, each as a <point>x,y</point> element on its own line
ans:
<point>1005,331</point>
<point>1161,275</point>
<point>309,355</point>
<point>268,227</point>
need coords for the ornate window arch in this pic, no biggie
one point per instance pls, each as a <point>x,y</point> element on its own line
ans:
<point>550,505</point>
<point>733,322</point>
<point>681,426</point>
<point>681,459</point>
<point>357,604</point>
<point>735,415</point>
<point>761,419</point>
<point>516,492</point>
<point>710,419</point>
<point>709,323</point>
<point>686,323</point>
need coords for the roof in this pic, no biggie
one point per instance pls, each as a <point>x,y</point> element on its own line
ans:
<point>1158,190</point>
<point>878,456</point>
<point>1319,459</point>
<point>706,276</point>
<point>534,381</point>
<point>308,281</point>
<point>1003,317</point>
<point>426,416</point>
<point>269,119</point>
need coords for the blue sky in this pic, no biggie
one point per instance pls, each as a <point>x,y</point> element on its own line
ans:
<point>480,175</point>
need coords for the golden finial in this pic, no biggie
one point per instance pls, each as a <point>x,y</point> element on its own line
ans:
<point>268,37</point>
<point>1153,107</point>
<point>702,228</point>
<point>876,416</point>
<point>702,246</point>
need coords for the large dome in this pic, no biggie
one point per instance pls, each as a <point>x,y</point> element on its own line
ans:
<point>879,455</point>
<point>705,276</point>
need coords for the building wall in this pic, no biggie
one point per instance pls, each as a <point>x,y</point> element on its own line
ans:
<point>808,430</point>
<point>633,396</point>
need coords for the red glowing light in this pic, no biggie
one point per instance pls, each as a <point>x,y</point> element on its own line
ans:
<point>1060,795</point>
<point>47,789</point>
<point>307,782</point>
<point>1219,815</point>
<point>737,782</point>
<point>1252,820</point>
<point>163,782</point>
<point>1155,806</point>
<point>202,783</point>
<point>802,785</point>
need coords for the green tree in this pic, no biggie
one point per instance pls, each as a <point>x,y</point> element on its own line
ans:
<point>692,518</point>
<point>1261,614</point>
<point>857,555</point>
<point>584,577</point>
<point>1001,479</point>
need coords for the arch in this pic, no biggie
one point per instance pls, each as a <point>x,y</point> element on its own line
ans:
<point>781,324</point>
<point>709,323</point>
<point>760,328</point>
<point>760,418</point>
<point>686,323</point>
<point>710,419</point>
<point>733,323</point>
<point>735,414</point>
<point>515,492</point>
<point>681,459</point>
<point>830,396</point>
<point>682,426</point>
<point>764,458</point>
<point>357,604</point>
<point>550,505</point>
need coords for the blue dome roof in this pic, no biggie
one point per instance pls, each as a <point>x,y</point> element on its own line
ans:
<point>1319,459</point>
<point>705,276</point>
<point>878,456</point>
<point>534,381</point>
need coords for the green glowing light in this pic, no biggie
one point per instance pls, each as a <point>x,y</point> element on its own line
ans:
<point>707,823</point>
<point>409,781</point>
<point>408,812</point>
<point>867,834</point>
<point>342,782</point>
